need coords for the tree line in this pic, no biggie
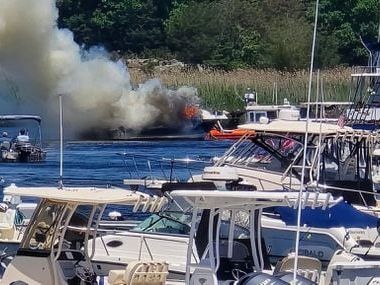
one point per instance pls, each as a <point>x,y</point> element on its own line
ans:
<point>226,34</point>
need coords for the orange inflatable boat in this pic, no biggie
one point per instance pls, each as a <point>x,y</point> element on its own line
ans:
<point>235,134</point>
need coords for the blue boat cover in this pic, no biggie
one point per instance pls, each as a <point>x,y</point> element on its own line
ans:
<point>341,215</point>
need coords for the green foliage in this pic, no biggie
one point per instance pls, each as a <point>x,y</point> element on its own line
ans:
<point>227,34</point>
<point>216,33</point>
<point>129,26</point>
<point>345,22</point>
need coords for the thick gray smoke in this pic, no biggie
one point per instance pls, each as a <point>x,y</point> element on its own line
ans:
<point>39,61</point>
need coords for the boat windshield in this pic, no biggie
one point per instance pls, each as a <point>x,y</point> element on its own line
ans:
<point>49,217</point>
<point>179,223</point>
<point>166,222</point>
<point>269,152</point>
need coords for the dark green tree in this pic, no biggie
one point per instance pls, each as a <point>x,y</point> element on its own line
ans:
<point>129,26</point>
<point>342,23</point>
<point>217,33</point>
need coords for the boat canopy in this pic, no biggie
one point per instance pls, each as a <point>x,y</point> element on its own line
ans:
<point>80,195</point>
<point>265,107</point>
<point>341,215</point>
<point>20,117</point>
<point>253,199</point>
<point>297,127</point>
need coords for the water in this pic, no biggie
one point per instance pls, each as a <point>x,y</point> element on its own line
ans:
<point>100,163</point>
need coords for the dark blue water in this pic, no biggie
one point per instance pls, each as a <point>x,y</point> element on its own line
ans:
<point>101,163</point>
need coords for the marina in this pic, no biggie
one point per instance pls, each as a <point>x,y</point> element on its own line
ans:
<point>112,176</point>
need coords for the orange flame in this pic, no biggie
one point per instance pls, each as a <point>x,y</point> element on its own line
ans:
<point>190,112</point>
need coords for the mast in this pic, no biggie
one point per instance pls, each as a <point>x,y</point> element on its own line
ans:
<point>299,209</point>
<point>60,181</point>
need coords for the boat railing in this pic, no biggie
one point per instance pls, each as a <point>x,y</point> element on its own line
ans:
<point>159,169</point>
<point>366,71</point>
<point>318,187</point>
<point>236,146</point>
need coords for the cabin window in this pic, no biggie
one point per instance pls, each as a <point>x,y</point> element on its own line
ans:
<point>251,116</point>
<point>258,115</point>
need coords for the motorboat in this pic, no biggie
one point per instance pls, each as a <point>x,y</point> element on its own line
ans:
<point>342,227</point>
<point>254,113</point>
<point>166,234</point>
<point>339,159</point>
<point>14,218</point>
<point>19,147</point>
<point>323,232</point>
<point>222,134</point>
<point>54,248</point>
<point>244,260</point>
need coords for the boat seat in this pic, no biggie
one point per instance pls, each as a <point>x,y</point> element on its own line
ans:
<point>203,274</point>
<point>7,219</point>
<point>5,145</point>
<point>339,257</point>
<point>139,273</point>
<point>240,250</point>
<point>308,267</point>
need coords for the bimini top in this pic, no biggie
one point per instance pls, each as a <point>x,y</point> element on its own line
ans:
<point>296,127</point>
<point>265,107</point>
<point>326,103</point>
<point>253,199</point>
<point>20,117</point>
<point>81,195</point>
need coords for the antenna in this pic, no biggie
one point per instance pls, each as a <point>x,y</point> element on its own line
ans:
<point>378,35</point>
<point>305,146</point>
<point>60,182</point>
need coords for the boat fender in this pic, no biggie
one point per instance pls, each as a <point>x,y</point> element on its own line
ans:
<point>264,120</point>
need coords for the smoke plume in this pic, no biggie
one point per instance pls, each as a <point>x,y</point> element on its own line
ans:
<point>38,61</point>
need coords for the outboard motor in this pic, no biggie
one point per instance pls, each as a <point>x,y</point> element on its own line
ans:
<point>261,278</point>
<point>283,278</point>
<point>288,277</point>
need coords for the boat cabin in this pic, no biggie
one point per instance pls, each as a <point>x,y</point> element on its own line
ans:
<point>258,113</point>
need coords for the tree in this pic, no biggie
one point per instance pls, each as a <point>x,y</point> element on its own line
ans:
<point>129,26</point>
<point>217,33</point>
<point>342,23</point>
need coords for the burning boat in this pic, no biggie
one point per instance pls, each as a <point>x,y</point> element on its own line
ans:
<point>191,122</point>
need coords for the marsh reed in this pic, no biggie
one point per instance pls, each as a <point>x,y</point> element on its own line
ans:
<point>224,90</point>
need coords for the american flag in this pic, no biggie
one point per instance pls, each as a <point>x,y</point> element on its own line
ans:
<point>341,121</point>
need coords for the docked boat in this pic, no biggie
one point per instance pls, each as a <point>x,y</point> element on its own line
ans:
<point>55,249</point>
<point>16,145</point>
<point>339,159</point>
<point>255,114</point>
<point>244,260</point>
<point>222,134</point>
